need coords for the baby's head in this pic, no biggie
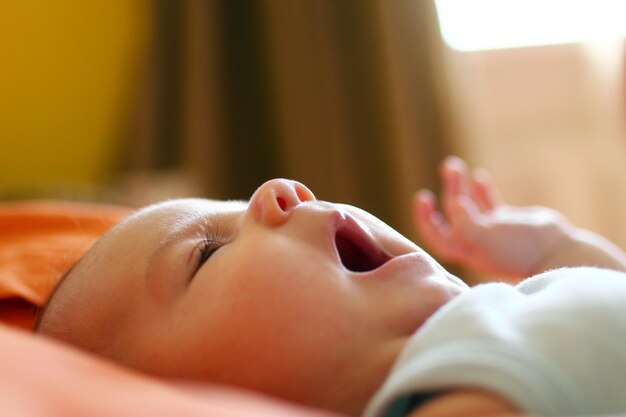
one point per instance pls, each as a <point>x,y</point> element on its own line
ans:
<point>303,299</point>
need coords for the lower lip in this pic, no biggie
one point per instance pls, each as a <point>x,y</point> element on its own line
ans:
<point>413,263</point>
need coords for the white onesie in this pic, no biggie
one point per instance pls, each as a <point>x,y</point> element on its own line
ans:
<point>554,345</point>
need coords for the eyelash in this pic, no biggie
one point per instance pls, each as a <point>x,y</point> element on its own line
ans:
<point>211,242</point>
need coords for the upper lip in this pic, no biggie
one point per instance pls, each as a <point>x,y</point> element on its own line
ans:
<point>356,249</point>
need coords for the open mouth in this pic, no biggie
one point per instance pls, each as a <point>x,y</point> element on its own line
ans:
<point>357,251</point>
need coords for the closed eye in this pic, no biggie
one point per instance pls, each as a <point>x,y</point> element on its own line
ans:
<point>211,242</point>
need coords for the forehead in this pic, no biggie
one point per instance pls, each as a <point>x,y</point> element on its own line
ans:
<point>127,247</point>
<point>121,257</point>
<point>135,239</point>
<point>171,214</point>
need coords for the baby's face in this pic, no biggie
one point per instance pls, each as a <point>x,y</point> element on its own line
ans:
<point>287,291</point>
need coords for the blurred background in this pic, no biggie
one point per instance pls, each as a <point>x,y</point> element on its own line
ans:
<point>133,101</point>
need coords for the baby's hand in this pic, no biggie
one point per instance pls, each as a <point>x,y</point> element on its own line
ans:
<point>477,230</point>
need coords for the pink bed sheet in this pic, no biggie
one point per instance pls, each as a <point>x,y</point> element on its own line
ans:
<point>41,377</point>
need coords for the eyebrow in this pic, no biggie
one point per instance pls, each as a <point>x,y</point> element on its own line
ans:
<point>196,224</point>
<point>200,221</point>
<point>41,311</point>
<point>172,238</point>
<point>191,226</point>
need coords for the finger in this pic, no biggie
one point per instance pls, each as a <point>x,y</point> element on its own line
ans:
<point>426,215</point>
<point>455,183</point>
<point>467,225</point>
<point>484,190</point>
<point>454,170</point>
<point>432,226</point>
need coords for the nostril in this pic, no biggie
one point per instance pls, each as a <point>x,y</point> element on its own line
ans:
<point>303,193</point>
<point>281,203</point>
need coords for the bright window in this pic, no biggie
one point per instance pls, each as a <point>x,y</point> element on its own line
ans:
<point>468,25</point>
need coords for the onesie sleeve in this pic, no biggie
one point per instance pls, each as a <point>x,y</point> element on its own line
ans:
<point>553,345</point>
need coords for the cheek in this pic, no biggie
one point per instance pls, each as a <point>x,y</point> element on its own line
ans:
<point>279,305</point>
<point>279,272</point>
<point>281,291</point>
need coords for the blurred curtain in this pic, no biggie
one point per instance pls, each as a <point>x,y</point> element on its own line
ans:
<point>347,96</point>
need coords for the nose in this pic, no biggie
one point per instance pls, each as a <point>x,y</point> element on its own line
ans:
<point>272,202</point>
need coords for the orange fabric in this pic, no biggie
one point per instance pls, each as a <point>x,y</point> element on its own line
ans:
<point>39,241</point>
<point>41,377</point>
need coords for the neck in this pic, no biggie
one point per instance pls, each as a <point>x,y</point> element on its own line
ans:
<point>350,388</point>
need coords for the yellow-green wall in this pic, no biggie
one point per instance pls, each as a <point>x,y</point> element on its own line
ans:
<point>68,75</point>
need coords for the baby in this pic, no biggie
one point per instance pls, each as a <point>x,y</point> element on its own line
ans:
<point>325,305</point>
